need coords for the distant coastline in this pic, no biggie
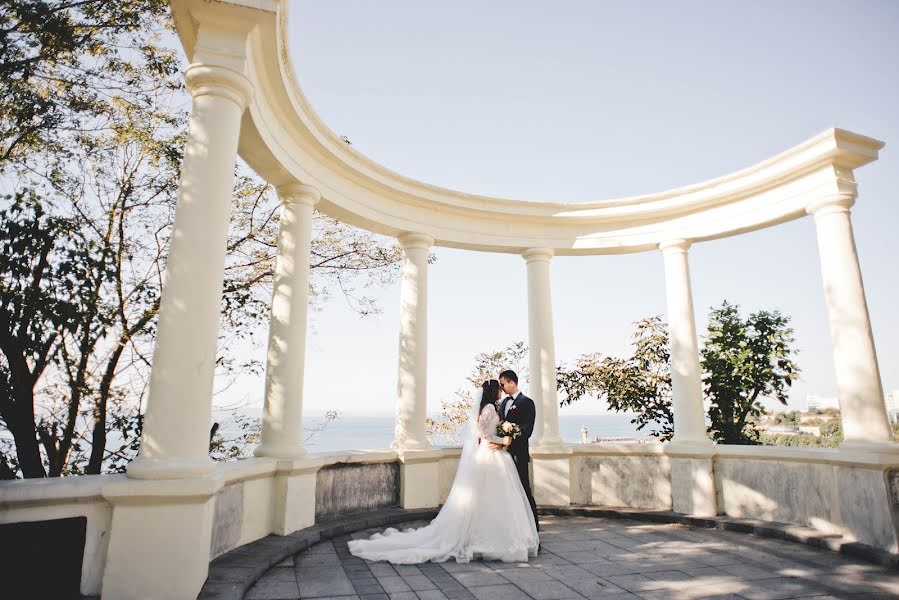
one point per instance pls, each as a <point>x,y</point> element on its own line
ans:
<point>355,432</point>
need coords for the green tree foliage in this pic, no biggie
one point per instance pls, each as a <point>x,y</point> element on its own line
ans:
<point>831,435</point>
<point>488,365</point>
<point>640,383</point>
<point>64,62</point>
<point>744,360</point>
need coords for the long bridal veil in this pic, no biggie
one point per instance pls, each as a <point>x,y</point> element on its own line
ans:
<point>445,537</point>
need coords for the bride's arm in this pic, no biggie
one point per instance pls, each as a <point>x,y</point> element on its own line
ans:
<point>487,421</point>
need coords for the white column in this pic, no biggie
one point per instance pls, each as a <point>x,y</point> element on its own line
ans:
<point>175,439</point>
<point>865,422</point>
<point>686,381</point>
<point>542,352</point>
<point>412,376</point>
<point>282,416</point>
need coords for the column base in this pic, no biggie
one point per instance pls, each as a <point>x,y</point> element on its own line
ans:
<point>160,538</point>
<point>551,469</point>
<point>551,444</point>
<point>420,478</point>
<point>295,496</point>
<point>410,444</point>
<point>165,468</point>
<point>703,446</point>
<point>264,450</point>
<point>693,487</point>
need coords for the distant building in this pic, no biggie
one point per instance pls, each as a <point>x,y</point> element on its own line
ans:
<point>821,402</point>
<point>892,403</point>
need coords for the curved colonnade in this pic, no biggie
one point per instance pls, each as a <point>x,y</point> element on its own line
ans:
<point>246,102</point>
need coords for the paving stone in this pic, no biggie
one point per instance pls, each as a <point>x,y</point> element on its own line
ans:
<point>394,584</point>
<point>462,594</point>
<point>774,589</point>
<point>548,590</point>
<point>316,582</point>
<point>475,565</point>
<point>498,592</point>
<point>212,590</point>
<point>524,575</point>
<point>317,560</point>
<point>748,571</point>
<point>430,595</point>
<point>587,556</point>
<point>584,556</point>
<point>280,574</point>
<point>419,583</point>
<point>597,587</point>
<point>381,569</point>
<point>471,579</point>
<point>368,587</point>
<point>567,572</point>
<point>634,582</point>
<point>321,547</point>
<point>273,590</point>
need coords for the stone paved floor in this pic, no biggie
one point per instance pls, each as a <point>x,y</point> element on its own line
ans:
<point>583,557</point>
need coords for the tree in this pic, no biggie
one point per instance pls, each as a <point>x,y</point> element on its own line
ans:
<point>49,273</point>
<point>62,61</point>
<point>107,166</point>
<point>488,365</point>
<point>640,383</point>
<point>744,360</point>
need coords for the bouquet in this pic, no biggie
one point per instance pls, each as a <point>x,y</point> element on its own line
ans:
<point>509,429</point>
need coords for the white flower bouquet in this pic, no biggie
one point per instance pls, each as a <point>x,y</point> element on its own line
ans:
<point>507,428</point>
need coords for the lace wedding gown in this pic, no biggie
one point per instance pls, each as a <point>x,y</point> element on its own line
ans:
<point>486,513</point>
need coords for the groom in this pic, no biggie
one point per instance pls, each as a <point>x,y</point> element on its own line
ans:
<point>519,409</point>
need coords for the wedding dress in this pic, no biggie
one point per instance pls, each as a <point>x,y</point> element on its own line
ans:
<point>486,513</point>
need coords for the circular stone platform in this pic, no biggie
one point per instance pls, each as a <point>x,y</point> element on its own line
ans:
<point>588,557</point>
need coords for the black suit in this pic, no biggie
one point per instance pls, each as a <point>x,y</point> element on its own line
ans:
<point>523,413</point>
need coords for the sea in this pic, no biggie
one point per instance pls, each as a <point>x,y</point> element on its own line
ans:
<point>371,432</point>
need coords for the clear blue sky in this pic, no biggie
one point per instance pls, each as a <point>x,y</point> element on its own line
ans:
<point>591,100</point>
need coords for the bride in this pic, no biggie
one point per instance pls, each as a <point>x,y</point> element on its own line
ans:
<point>486,514</point>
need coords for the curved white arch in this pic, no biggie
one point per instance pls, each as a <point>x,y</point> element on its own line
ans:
<point>284,140</point>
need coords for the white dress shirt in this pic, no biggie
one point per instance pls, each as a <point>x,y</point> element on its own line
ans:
<point>510,403</point>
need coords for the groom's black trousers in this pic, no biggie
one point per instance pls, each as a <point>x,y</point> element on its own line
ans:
<point>521,464</point>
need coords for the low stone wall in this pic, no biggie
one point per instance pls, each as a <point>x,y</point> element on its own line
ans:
<point>346,488</point>
<point>616,480</point>
<point>64,498</point>
<point>853,495</point>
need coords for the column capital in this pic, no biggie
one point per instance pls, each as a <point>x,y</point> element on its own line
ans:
<point>412,240</point>
<point>538,255</point>
<point>834,203</point>
<point>678,246</point>
<point>216,80</point>
<point>298,193</point>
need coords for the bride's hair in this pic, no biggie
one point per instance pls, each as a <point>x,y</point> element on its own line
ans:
<point>490,393</point>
